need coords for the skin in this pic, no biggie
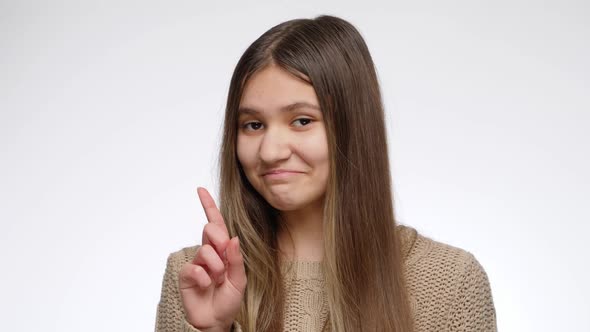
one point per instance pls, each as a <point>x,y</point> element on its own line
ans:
<point>295,140</point>
<point>212,285</point>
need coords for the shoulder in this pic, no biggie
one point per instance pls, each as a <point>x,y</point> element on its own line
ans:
<point>419,249</point>
<point>431,261</point>
<point>447,284</point>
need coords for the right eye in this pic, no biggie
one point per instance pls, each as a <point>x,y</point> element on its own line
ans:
<point>252,125</point>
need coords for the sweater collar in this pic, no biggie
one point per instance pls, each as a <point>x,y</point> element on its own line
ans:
<point>407,237</point>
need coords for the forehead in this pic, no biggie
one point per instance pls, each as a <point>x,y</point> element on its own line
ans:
<point>275,89</point>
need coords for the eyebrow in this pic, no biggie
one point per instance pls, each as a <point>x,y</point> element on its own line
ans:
<point>287,108</point>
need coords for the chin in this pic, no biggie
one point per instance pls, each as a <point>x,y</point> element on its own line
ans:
<point>284,206</point>
<point>289,203</point>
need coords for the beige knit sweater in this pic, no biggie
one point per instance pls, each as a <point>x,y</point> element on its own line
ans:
<point>449,290</point>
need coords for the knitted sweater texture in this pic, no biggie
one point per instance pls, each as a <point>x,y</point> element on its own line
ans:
<point>449,290</point>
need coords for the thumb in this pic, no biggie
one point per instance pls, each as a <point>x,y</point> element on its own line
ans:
<point>236,272</point>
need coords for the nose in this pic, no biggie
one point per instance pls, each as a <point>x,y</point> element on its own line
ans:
<point>275,146</point>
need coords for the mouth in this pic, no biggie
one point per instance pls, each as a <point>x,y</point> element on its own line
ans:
<point>280,174</point>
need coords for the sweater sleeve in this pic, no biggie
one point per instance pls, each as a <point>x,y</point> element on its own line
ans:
<point>473,307</point>
<point>170,316</point>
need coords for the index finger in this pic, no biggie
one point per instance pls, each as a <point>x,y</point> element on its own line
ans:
<point>211,210</point>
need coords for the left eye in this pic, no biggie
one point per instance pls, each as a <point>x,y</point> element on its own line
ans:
<point>302,121</point>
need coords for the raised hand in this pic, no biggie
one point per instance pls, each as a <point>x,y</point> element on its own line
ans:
<point>212,285</point>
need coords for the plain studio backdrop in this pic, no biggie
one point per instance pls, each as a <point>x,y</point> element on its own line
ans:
<point>111,115</point>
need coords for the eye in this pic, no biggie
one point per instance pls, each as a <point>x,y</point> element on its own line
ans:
<point>254,125</point>
<point>303,121</point>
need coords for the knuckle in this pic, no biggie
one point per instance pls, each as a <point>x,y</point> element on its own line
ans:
<point>184,274</point>
<point>217,267</point>
<point>208,256</point>
<point>213,230</point>
<point>207,228</point>
<point>200,254</point>
<point>206,231</point>
<point>185,277</point>
<point>205,250</point>
<point>213,234</point>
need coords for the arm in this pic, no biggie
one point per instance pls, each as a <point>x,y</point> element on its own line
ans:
<point>170,316</point>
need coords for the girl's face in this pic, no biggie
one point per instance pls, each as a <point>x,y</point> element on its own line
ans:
<point>282,144</point>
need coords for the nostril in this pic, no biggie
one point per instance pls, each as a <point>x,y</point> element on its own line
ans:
<point>271,151</point>
<point>274,157</point>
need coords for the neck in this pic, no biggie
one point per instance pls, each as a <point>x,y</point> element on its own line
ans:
<point>301,236</point>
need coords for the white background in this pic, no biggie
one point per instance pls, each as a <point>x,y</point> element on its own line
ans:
<point>110,117</point>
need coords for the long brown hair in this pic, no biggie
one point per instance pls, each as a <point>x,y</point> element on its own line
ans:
<point>363,263</point>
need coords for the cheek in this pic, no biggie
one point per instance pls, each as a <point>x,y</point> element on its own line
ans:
<point>316,148</point>
<point>245,153</point>
<point>240,151</point>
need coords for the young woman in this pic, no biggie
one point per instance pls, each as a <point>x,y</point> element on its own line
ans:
<point>305,238</point>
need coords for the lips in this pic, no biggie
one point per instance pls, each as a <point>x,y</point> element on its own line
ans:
<point>280,171</point>
<point>281,176</point>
